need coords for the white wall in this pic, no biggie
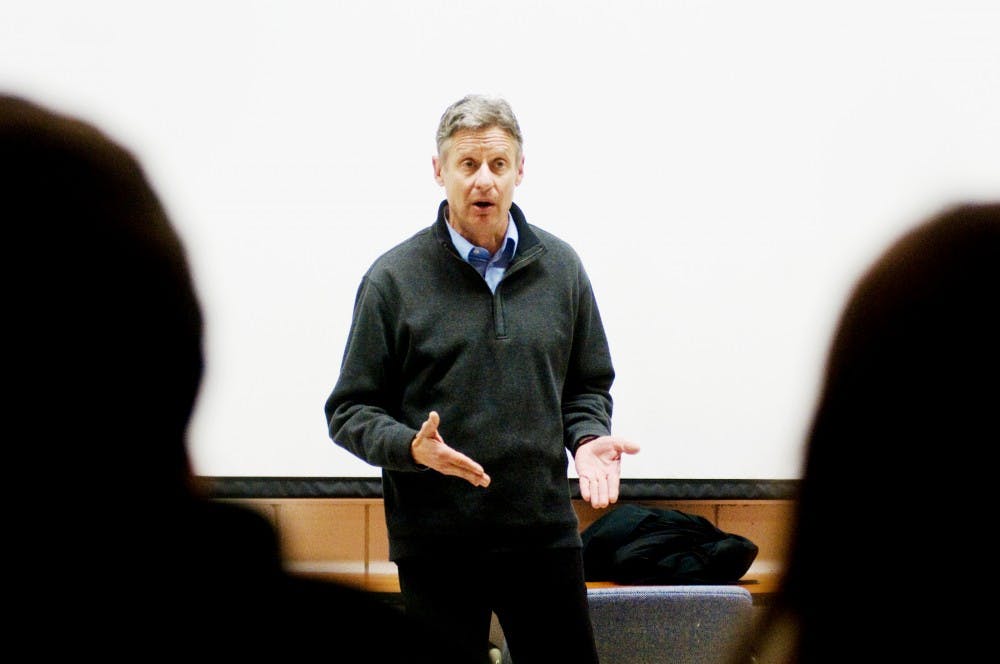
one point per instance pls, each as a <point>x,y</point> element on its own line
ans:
<point>725,169</point>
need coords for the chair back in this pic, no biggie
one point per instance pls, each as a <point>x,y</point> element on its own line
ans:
<point>685,624</point>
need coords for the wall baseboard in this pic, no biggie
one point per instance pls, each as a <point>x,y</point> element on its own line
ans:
<point>371,487</point>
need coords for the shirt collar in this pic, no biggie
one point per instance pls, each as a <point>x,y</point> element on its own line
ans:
<point>503,256</point>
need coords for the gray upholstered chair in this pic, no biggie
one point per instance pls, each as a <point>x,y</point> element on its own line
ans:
<point>666,624</point>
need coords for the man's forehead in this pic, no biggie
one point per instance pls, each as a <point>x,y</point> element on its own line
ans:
<point>492,139</point>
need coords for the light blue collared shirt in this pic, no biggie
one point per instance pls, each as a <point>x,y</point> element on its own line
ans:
<point>491,267</point>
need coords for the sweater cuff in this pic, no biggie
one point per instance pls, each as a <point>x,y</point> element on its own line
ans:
<point>582,441</point>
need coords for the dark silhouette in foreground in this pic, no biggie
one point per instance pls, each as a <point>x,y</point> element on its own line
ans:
<point>115,549</point>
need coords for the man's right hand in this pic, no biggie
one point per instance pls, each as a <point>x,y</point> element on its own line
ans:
<point>429,449</point>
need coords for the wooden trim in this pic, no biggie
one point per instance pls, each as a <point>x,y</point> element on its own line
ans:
<point>761,585</point>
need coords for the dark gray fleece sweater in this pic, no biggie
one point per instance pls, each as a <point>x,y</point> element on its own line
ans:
<point>518,377</point>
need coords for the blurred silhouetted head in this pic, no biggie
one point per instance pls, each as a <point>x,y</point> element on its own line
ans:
<point>129,560</point>
<point>109,352</point>
<point>910,395</point>
<point>890,539</point>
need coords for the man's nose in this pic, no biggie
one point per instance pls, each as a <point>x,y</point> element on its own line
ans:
<point>484,177</point>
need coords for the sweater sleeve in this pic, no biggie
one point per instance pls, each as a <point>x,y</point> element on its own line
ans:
<point>587,403</point>
<point>359,409</point>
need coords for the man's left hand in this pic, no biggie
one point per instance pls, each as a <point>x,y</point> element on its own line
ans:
<point>598,464</point>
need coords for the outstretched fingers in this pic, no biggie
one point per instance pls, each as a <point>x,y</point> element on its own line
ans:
<point>429,449</point>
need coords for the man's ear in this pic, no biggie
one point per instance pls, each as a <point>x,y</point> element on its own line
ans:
<point>520,172</point>
<point>436,161</point>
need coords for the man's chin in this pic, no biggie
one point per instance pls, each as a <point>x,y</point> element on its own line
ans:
<point>490,215</point>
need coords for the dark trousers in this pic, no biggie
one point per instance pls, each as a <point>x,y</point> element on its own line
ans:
<point>539,597</point>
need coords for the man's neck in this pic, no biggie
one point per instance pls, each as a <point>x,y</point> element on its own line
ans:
<point>491,244</point>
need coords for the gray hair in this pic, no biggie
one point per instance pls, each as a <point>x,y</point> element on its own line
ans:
<point>478,112</point>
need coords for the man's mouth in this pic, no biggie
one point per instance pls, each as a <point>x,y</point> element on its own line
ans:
<point>482,205</point>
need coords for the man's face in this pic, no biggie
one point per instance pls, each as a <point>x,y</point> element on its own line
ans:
<point>479,170</point>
